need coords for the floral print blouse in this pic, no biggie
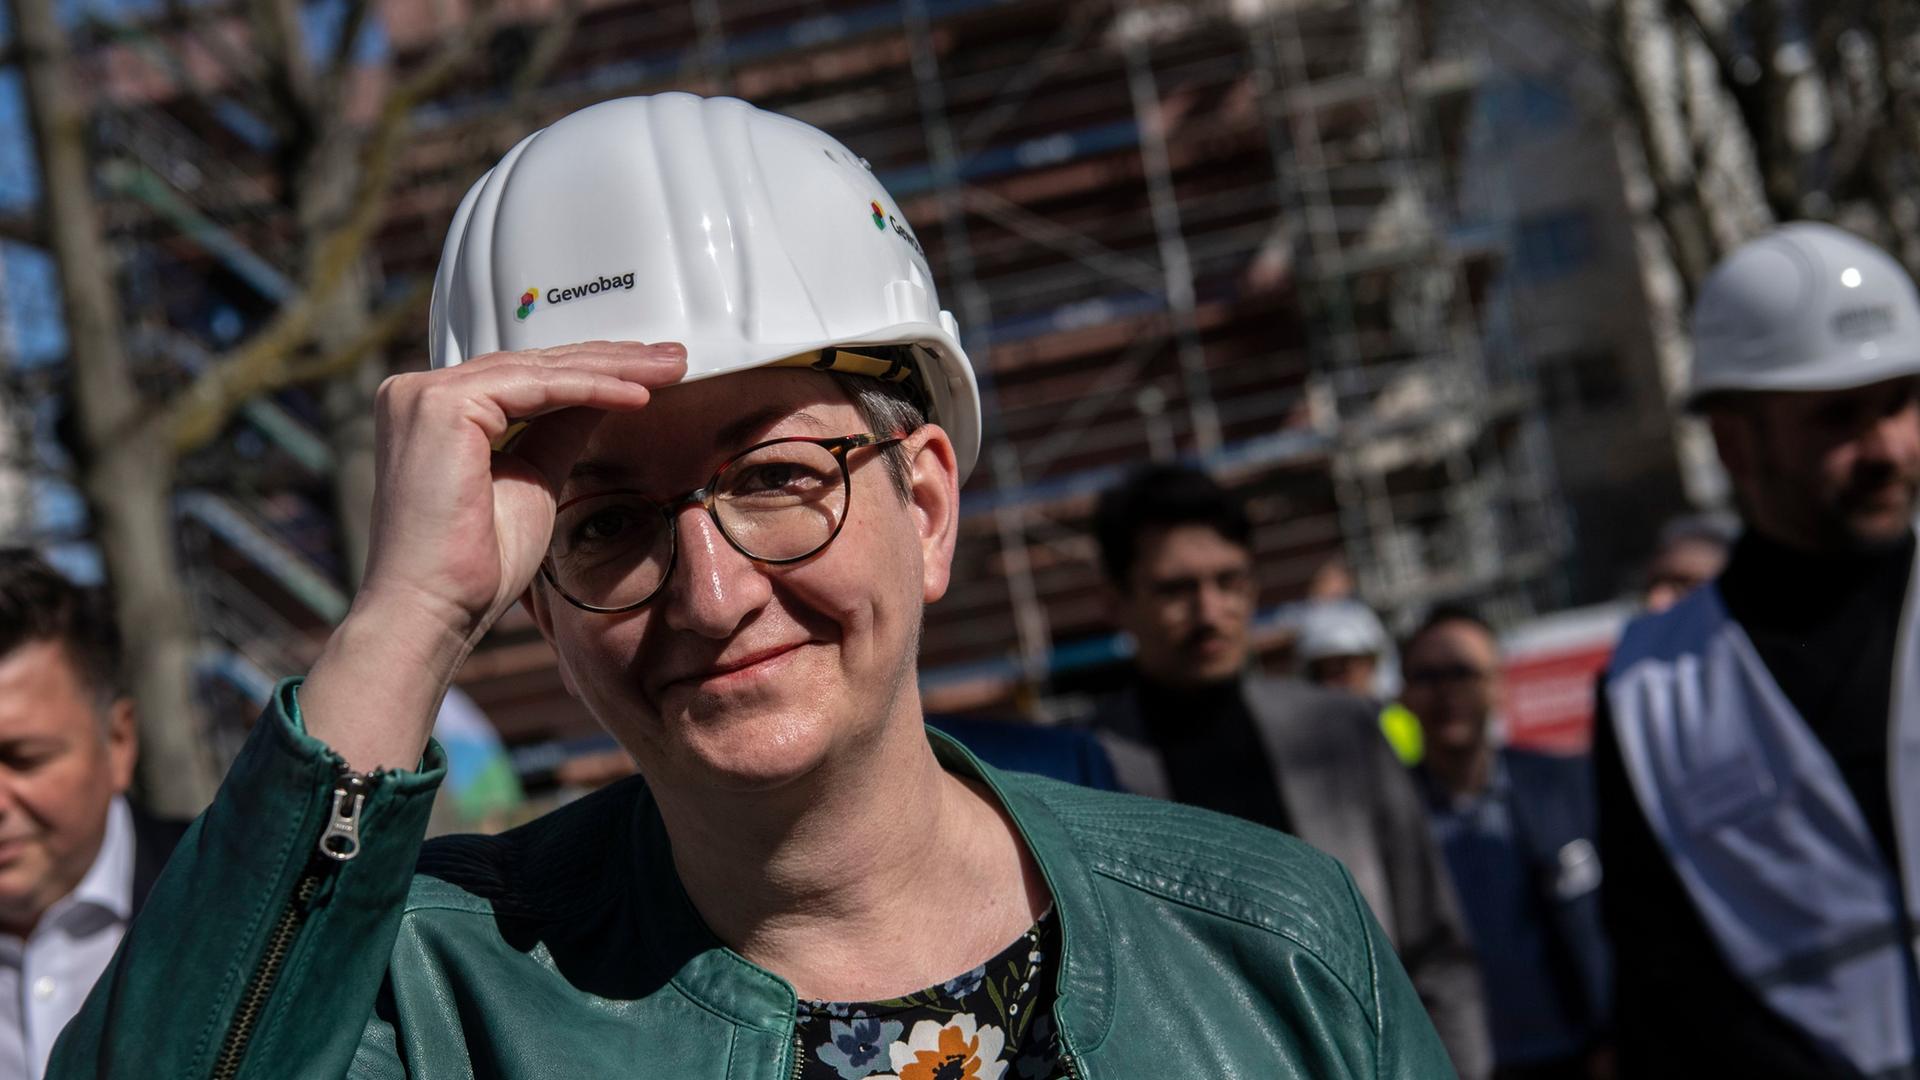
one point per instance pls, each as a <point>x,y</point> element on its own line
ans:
<point>992,1023</point>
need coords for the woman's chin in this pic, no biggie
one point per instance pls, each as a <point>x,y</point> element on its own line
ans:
<point>747,753</point>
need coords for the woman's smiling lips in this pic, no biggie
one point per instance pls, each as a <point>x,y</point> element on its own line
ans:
<point>758,664</point>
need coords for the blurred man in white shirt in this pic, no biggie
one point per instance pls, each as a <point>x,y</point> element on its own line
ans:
<point>74,857</point>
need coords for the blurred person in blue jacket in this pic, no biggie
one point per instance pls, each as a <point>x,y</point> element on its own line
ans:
<point>1062,753</point>
<point>1517,832</point>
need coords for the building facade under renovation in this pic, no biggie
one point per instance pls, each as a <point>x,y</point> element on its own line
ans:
<point>1236,233</point>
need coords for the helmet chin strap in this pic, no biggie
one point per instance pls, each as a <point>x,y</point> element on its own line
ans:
<point>889,363</point>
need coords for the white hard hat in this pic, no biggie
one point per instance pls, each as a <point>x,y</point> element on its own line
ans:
<point>1805,307</point>
<point>751,238</point>
<point>1339,628</point>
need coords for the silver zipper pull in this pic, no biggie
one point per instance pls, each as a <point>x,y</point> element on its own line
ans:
<point>341,840</point>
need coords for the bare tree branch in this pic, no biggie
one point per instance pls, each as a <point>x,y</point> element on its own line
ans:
<point>235,62</point>
<point>21,229</point>
<point>279,37</point>
<point>1676,206</point>
<point>548,45</point>
<point>341,66</point>
<point>397,319</point>
<point>1897,30</point>
<point>1780,160</point>
<point>1859,96</point>
<point>198,412</point>
<point>261,363</point>
<point>1727,63</point>
<point>264,361</point>
<point>446,60</point>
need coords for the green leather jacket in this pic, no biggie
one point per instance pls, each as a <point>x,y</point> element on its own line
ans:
<point>1193,944</point>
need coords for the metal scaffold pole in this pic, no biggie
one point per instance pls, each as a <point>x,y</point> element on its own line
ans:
<point>1030,615</point>
<point>1175,262</point>
<point>1301,166</point>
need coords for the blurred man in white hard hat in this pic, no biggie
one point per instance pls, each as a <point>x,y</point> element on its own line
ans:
<point>1343,646</point>
<point>729,542</point>
<point>1758,748</point>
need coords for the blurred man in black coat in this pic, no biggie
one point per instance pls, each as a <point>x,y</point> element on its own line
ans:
<point>1195,725</point>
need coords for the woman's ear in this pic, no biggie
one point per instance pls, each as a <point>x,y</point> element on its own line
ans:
<point>933,494</point>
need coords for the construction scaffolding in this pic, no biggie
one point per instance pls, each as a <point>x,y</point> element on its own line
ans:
<point>1211,231</point>
<point>1445,492</point>
<point>1215,231</point>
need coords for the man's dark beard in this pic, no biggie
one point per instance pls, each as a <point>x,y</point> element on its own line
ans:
<point>1199,636</point>
<point>1868,483</point>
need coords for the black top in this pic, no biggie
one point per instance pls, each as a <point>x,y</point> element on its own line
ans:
<point>153,842</point>
<point>994,1021</point>
<point>1213,753</point>
<point>1826,629</point>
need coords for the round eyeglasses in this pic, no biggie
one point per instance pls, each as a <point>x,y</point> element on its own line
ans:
<point>777,502</point>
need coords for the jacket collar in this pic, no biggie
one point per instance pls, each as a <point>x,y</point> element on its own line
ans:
<point>679,940</point>
<point>721,980</point>
<point>1085,1004</point>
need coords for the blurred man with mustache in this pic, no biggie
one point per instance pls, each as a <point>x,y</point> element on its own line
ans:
<point>1758,748</point>
<point>76,860</point>
<point>1197,726</point>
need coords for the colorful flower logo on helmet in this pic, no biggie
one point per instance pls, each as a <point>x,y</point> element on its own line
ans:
<point>879,216</point>
<point>527,300</point>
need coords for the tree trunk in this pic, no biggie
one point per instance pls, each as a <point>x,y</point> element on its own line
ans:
<point>349,408</point>
<point>134,479</point>
<point>323,197</point>
<point>126,466</point>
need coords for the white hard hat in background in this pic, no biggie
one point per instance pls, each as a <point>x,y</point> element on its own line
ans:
<point>1805,307</point>
<point>1339,628</point>
<point>752,238</point>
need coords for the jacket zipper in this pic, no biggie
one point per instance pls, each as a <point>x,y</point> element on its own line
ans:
<point>339,843</point>
<point>1067,1059</point>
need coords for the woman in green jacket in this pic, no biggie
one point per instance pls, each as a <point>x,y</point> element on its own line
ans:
<point>729,542</point>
